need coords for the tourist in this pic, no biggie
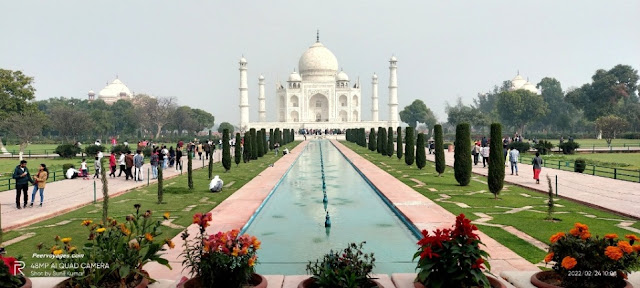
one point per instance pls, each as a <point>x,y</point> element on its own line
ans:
<point>484,141</point>
<point>172,156</point>
<point>122,164</point>
<point>71,173</point>
<point>537,167</point>
<point>97,143</point>
<point>216,184</point>
<point>84,169</point>
<point>100,155</point>
<point>96,166</point>
<point>22,177</point>
<point>276,147</point>
<point>153,160</point>
<point>114,142</point>
<point>285,151</point>
<point>484,151</point>
<point>475,152</point>
<point>138,161</point>
<point>128,161</point>
<point>165,157</point>
<point>199,149</point>
<point>178,159</point>
<point>126,144</point>
<point>513,158</point>
<point>41,181</point>
<point>112,164</point>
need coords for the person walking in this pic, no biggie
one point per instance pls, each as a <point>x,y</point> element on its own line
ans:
<point>84,169</point>
<point>128,160</point>
<point>485,156</point>
<point>514,154</point>
<point>41,182</point>
<point>154,164</point>
<point>475,152</point>
<point>164,156</point>
<point>207,149</point>
<point>276,147</point>
<point>199,149</point>
<point>537,167</point>
<point>122,164</point>
<point>22,177</point>
<point>97,167</point>
<point>178,157</point>
<point>138,161</point>
<point>112,164</point>
<point>172,156</point>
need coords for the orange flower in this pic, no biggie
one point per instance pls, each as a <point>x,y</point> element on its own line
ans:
<point>166,215</point>
<point>614,253</point>
<point>244,250</point>
<point>549,257</point>
<point>632,237</point>
<point>569,262</point>
<point>585,235</point>
<point>256,244</point>
<point>235,251</point>
<point>578,229</point>
<point>148,236</point>
<point>636,248</point>
<point>86,222</point>
<point>252,261</point>
<point>556,237</point>
<point>169,243</point>
<point>611,236</point>
<point>625,246</point>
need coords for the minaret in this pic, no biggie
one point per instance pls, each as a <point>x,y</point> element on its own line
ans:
<point>374,98</point>
<point>262,112</point>
<point>244,96</point>
<point>393,92</point>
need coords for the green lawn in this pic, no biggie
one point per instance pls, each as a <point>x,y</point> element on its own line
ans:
<point>627,165</point>
<point>176,195</point>
<point>33,148</point>
<point>530,221</point>
<point>589,143</point>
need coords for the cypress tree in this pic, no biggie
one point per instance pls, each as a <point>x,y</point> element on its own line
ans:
<point>284,137</point>
<point>378,145</point>
<point>462,154</point>
<point>383,141</point>
<point>190,170</point>
<point>254,144</point>
<point>372,140</point>
<point>265,144</point>
<point>259,142</point>
<point>293,135</point>
<point>421,157</point>
<point>226,150</point>
<point>210,167</point>
<point>246,152</point>
<point>363,137</point>
<point>399,143</point>
<point>440,164</point>
<point>409,148</point>
<point>271,139</point>
<point>496,161</point>
<point>238,151</point>
<point>390,142</point>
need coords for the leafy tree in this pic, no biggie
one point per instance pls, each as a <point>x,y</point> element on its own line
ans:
<point>203,119</point>
<point>182,120</point>
<point>293,136</point>
<point>520,107</point>
<point>25,126</point>
<point>254,144</point>
<point>417,112</point>
<point>462,156</point>
<point>382,134</point>
<point>246,152</point>
<point>496,161</point>
<point>398,142</point>
<point>155,112</point>
<point>276,136</point>
<point>560,115</point>
<point>16,92</point>
<point>226,151</point>
<point>70,123</point>
<point>389,141</point>
<point>486,102</point>
<point>190,170</point>
<point>610,126</point>
<point>225,125</point>
<point>124,117</point>
<point>409,153</point>
<point>237,150</point>
<point>439,152</point>
<point>372,140</point>
<point>461,113</point>
<point>421,157</point>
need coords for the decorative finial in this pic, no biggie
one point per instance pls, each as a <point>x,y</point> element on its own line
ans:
<point>318,36</point>
<point>518,71</point>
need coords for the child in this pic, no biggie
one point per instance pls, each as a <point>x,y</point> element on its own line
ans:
<point>96,166</point>
<point>84,169</point>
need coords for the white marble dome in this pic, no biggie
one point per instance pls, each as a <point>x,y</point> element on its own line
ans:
<point>318,62</point>
<point>342,76</point>
<point>114,91</point>
<point>518,82</point>
<point>294,77</point>
<point>529,87</point>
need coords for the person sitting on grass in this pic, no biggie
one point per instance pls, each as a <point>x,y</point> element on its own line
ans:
<point>71,173</point>
<point>285,151</point>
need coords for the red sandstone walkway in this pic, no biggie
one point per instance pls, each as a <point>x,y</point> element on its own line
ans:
<point>619,196</point>
<point>66,195</point>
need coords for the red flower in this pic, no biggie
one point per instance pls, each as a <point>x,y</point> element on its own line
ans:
<point>10,262</point>
<point>427,252</point>
<point>478,264</point>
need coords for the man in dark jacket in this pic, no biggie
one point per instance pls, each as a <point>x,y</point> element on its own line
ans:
<point>128,162</point>
<point>22,176</point>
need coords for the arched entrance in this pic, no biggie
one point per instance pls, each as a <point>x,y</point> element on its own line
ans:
<point>294,116</point>
<point>319,108</point>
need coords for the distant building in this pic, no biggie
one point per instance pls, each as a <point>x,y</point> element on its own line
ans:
<point>113,92</point>
<point>519,83</point>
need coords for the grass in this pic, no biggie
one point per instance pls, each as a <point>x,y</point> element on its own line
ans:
<point>476,195</point>
<point>176,196</point>
<point>624,166</point>
<point>599,143</point>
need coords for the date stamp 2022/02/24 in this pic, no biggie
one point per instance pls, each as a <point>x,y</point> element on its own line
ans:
<point>591,273</point>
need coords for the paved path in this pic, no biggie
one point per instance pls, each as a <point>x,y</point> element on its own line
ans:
<point>70,194</point>
<point>622,197</point>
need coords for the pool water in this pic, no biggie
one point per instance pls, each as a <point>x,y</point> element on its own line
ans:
<point>291,222</point>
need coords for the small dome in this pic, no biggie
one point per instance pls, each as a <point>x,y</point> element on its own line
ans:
<point>393,59</point>
<point>342,76</point>
<point>261,77</point>
<point>242,60</point>
<point>294,77</point>
<point>91,93</point>
<point>114,90</point>
<point>318,61</point>
<point>375,76</point>
<point>518,82</point>
<point>529,87</point>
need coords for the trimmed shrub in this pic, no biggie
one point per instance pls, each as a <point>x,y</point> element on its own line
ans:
<point>440,164</point>
<point>522,147</point>
<point>264,141</point>
<point>569,147</point>
<point>254,144</point>
<point>399,142</point>
<point>462,155</point>
<point>383,140</point>
<point>67,150</point>
<point>226,150</point>
<point>579,165</point>
<point>373,145</point>
<point>246,152</point>
<point>496,161</point>
<point>293,135</point>
<point>119,148</point>
<point>237,151</point>
<point>543,147</point>
<point>271,138</point>
<point>409,147</point>
<point>389,141</point>
<point>378,141</point>
<point>259,142</point>
<point>421,157</point>
<point>147,151</point>
<point>92,150</point>
<point>630,135</point>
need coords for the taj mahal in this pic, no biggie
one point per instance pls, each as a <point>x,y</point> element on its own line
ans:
<point>318,96</point>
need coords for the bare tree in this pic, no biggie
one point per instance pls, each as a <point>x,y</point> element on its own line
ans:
<point>155,113</point>
<point>25,126</point>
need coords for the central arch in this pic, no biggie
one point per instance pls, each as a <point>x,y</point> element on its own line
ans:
<point>318,108</point>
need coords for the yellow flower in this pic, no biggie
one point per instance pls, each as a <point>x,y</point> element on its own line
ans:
<point>549,257</point>
<point>169,243</point>
<point>66,240</point>
<point>235,251</point>
<point>86,222</point>
<point>100,230</point>
<point>166,215</point>
<point>148,236</point>
<point>72,248</point>
<point>569,262</point>
<point>57,252</point>
<point>54,248</point>
<point>625,246</point>
<point>252,261</point>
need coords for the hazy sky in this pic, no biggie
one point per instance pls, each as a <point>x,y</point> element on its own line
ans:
<point>190,49</point>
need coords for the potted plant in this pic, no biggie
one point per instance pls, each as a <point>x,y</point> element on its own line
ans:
<point>224,259</point>
<point>581,260</point>
<point>349,268</point>
<point>10,275</point>
<point>453,258</point>
<point>114,254</point>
